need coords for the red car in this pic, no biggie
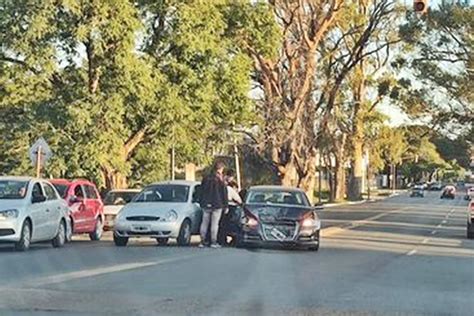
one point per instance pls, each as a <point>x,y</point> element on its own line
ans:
<point>86,206</point>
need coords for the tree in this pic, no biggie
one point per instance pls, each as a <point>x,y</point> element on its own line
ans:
<point>439,58</point>
<point>112,84</point>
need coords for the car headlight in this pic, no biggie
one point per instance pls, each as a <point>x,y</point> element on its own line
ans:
<point>7,214</point>
<point>311,223</point>
<point>171,216</point>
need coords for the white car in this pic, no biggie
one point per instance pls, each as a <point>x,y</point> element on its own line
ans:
<point>114,201</point>
<point>31,211</point>
<point>161,211</point>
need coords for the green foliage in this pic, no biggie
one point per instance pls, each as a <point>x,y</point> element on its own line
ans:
<point>112,85</point>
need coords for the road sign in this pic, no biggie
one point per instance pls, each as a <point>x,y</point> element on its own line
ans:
<point>39,154</point>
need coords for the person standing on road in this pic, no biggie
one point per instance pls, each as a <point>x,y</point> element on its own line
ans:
<point>225,225</point>
<point>214,201</point>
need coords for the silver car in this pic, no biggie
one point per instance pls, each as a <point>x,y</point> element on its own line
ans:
<point>161,211</point>
<point>31,211</point>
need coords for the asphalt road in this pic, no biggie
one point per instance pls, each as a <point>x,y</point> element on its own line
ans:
<point>400,256</point>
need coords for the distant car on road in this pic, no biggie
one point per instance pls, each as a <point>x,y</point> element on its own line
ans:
<point>436,186</point>
<point>418,191</point>
<point>276,215</point>
<point>114,201</point>
<point>31,211</point>
<point>86,207</point>
<point>161,211</point>
<point>449,192</point>
<point>470,220</point>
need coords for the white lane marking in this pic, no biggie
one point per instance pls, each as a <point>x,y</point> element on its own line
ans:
<point>425,241</point>
<point>444,221</point>
<point>64,277</point>
<point>439,225</point>
<point>411,253</point>
<point>433,232</point>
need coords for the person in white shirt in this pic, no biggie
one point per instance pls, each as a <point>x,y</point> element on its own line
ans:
<point>234,201</point>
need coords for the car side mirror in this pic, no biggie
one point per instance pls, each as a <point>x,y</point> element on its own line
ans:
<point>74,199</point>
<point>38,199</point>
<point>318,206</point>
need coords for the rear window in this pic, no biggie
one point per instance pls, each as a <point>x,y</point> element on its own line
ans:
<point>62,189</point>
<point>119,198</point>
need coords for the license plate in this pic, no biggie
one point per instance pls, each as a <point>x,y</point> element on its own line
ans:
<point>109,223</point>
<point>278,234</point>
<point>140,228</point>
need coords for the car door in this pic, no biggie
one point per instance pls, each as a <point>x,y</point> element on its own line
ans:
<point>92,206</point>
<point>53,210</point>
<point>38,213</point>
<point>78,209</point>
<point>196,208</point>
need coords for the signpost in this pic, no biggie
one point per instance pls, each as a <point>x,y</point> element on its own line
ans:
<point>39,154</point>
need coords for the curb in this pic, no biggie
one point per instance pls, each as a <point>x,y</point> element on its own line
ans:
<point>360,202</point>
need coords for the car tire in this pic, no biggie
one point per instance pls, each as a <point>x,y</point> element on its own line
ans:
<point>25,238</point>
<point>69,232</point>
<point>120,241</point>
<point>184,237</point>
<point>162,241</point>
<point>316,247</point>
<point>97,233</point>
<point>60,239</point>
<point>470,230</point>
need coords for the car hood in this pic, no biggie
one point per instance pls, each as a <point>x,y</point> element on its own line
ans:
<point>112,209</point>
<point>11,204</point>
<point>270,213</point>
<point>150,209</point>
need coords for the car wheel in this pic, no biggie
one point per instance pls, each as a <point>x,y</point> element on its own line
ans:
<point>120,241</point>
<point>470,230</point>
<point>97,233</point>
<point>69,232</point>
<point>316,247</point>
<point>60,238</point>
<point>184,237</point>
<point>162,241</point>
<point>25,238</point>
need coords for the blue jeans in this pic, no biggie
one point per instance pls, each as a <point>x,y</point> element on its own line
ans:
<point>212,217</point>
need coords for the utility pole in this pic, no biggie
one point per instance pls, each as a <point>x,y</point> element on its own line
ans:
<point>320,174</point>
<point>237,165</point>
<point>38,162</point>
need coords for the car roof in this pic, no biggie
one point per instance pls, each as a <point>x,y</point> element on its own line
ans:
<point>124,190</point>
<point>70,181</point>
<point>19,178</point>
<point>275,188</point>
<point>177,182</point>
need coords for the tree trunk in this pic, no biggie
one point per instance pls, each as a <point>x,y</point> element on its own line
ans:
<point>339,181</point>
<point>114,179</point>
<point>357,137</point>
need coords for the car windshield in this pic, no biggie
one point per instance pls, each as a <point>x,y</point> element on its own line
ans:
<point>12,189</point>
<point>277,197</point>
<point>164,193</point>
<point>62,189</point>
<point>119,197</point>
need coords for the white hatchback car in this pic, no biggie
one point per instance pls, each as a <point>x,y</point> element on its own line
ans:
<point>114,201</point>
<point>31,211</point>
<point>161,211</point>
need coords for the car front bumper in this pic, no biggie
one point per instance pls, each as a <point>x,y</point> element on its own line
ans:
<point>303,239</point>
<point>10,230</point>
<point>147,229</point>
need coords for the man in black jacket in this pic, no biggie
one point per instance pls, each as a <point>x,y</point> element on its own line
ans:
<point>214,200</point>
